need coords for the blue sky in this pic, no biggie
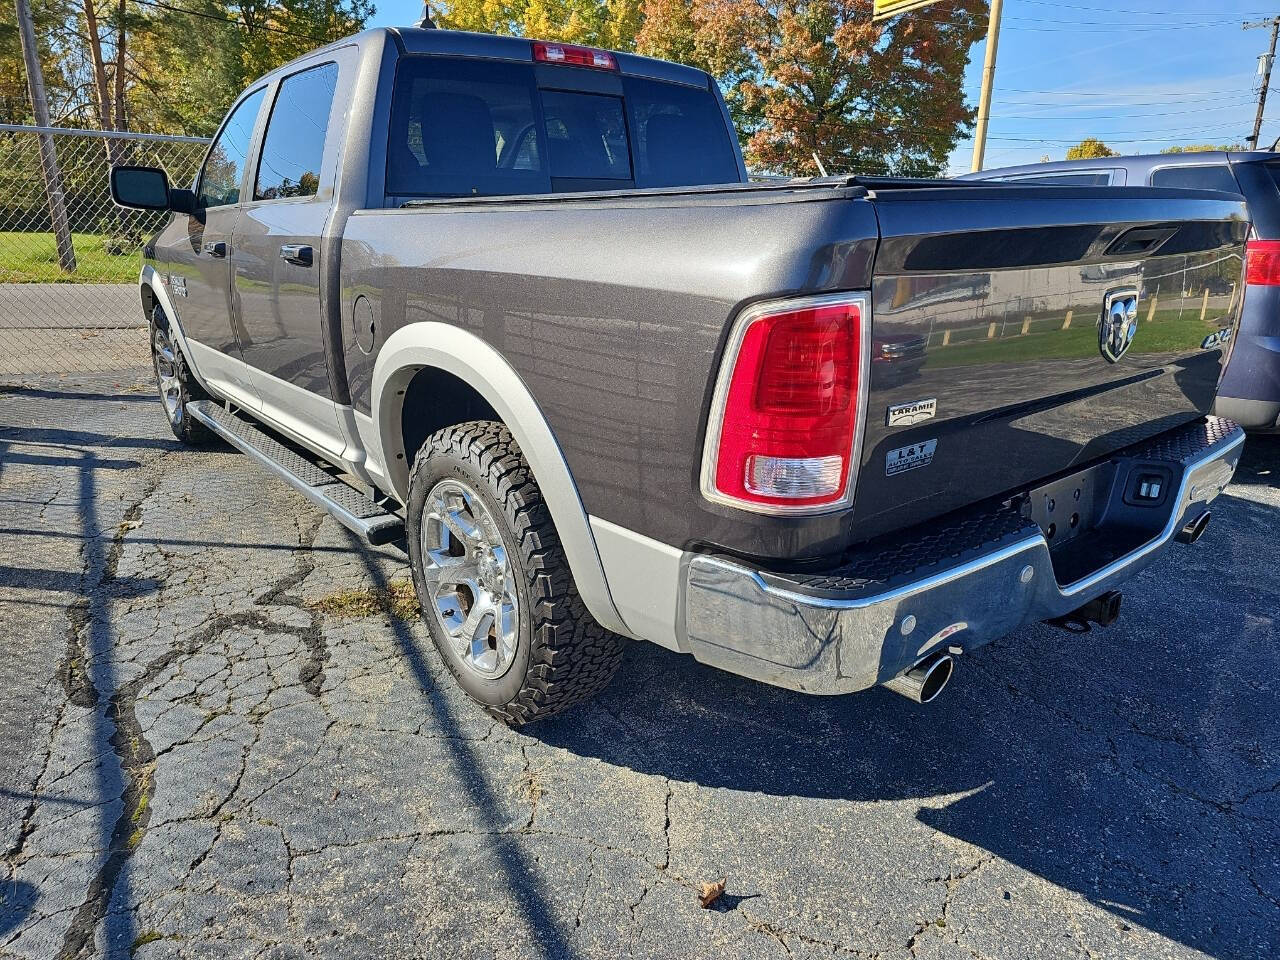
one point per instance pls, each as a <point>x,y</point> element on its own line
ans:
<point>1138,74</point>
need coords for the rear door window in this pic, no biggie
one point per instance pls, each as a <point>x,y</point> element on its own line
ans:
<point>293,147</point>
<point>1204,177</point>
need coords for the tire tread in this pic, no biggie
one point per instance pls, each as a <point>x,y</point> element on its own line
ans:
<point>572,658</point>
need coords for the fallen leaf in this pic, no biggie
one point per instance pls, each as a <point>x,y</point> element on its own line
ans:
<point>709,893</point>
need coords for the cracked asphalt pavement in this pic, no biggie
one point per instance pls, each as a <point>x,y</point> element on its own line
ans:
<point>200,758</point>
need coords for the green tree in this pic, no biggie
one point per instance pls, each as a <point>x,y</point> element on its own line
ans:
<point>817,76</point>
<point>181,66</point>
<point>801,76</point>
<point>1089,148</point>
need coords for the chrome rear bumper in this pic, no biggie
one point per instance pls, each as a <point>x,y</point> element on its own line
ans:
<point>960,584</point>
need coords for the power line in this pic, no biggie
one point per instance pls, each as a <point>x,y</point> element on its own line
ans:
<point>1145,13</point>
<point>1103,118</point>
<point>1109,93</point>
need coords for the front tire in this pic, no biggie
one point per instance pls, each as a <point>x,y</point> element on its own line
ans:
<point>175,383</point>
<point>493,580</point>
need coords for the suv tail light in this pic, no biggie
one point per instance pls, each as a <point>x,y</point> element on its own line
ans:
<point>574,56</point>
<point>1262,262</point>
<point>786,408</point>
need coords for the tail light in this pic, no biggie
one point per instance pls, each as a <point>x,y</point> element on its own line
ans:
<point>574,56</point>
<point>785,412</point>
<point>1262,262</point>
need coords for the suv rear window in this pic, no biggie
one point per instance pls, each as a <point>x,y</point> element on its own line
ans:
<point>1083,179</point>
<point>470,127</point>
<point>1204,177</point>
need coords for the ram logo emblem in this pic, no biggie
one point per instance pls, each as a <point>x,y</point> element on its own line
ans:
<point>1119,324</point>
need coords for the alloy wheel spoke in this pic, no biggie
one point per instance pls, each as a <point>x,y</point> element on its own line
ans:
<point>473,633</point>
<point>468,571</point>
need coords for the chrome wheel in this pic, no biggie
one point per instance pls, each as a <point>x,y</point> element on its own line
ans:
<point>471,590</point>
<point>168,374</point>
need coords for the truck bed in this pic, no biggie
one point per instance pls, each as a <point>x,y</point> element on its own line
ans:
<point>619,324</point>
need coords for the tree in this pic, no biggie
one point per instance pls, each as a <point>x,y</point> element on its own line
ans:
<point>118,64</point>
<point>801,76</point>
<point>1203,148</point>
<point>1088,148</point>
<point>817,76</point>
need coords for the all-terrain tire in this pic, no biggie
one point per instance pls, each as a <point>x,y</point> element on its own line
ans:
<point>176,384</point>
<point>562,655</point>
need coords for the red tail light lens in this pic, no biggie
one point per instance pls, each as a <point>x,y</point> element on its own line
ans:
<point>786,407</point>
<point>1262,262</point>
<point>573,56</point>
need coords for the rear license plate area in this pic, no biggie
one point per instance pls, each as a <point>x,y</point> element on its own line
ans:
<point>1068,508</point>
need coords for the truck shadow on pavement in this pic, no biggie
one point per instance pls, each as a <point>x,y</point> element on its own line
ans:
<point>17,898</point>
<point>1137,766</point>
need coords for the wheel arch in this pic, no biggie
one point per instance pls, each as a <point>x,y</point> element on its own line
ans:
<point>415,350</point>
<point>154,294</point>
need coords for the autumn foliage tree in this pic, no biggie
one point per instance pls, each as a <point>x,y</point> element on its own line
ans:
<point>1089,148</point>
<point>801,76</point>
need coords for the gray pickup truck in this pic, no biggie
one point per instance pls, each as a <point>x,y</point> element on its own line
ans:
<point>517,303</point>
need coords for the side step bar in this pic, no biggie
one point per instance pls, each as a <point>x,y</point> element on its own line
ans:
<point>349,506</point>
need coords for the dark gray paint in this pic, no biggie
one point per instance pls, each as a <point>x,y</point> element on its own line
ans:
<point>617,331</point>
<point>613,308</point>
<point>1253,374</point>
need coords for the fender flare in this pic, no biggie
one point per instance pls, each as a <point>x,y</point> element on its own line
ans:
<point>149,279</point>
<point>463,354</point>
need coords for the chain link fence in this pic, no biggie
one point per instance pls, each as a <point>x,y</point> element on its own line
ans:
<point>69,257</point>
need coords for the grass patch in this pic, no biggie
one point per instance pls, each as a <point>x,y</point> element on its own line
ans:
<point>396,599</point>
<point>33,258</point>
<point>147,936</point>
<point>1166,332</point>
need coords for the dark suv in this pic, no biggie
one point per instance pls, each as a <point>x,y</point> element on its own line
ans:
<point>1250,389</point>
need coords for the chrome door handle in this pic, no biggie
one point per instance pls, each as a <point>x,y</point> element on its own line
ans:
<point>298,253</point>
<point>218,249</point>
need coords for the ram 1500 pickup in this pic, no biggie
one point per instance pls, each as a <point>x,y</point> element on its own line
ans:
<point>519,304</point>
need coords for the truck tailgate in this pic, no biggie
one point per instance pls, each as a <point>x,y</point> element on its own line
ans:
<point>990,369</point>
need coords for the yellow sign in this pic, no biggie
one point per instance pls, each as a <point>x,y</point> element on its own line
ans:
<point>891,8</point>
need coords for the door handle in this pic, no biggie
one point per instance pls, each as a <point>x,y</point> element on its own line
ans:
<point>298,253</point>
<point>218,249</point>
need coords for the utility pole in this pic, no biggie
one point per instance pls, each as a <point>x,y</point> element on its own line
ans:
<point>988,80</point>
<point>1274,24</point>
<point>48,156</point>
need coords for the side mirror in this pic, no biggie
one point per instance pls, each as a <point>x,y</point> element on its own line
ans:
<point>141,188</point>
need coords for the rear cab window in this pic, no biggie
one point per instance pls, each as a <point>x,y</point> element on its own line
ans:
<point>472,127</point>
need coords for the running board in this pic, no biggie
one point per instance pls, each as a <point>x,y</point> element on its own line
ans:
<point>349,506</point>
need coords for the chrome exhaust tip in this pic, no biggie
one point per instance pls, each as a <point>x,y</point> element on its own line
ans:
<point>924,682</point>
<point>1194,530</point>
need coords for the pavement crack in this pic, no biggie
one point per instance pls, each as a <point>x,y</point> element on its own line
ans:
<point>311,672</point>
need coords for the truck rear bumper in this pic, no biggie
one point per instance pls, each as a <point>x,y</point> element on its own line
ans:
<point>959,583</point>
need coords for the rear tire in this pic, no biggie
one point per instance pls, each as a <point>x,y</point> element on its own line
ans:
<point>175,384</point>
<point>493,580</point>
